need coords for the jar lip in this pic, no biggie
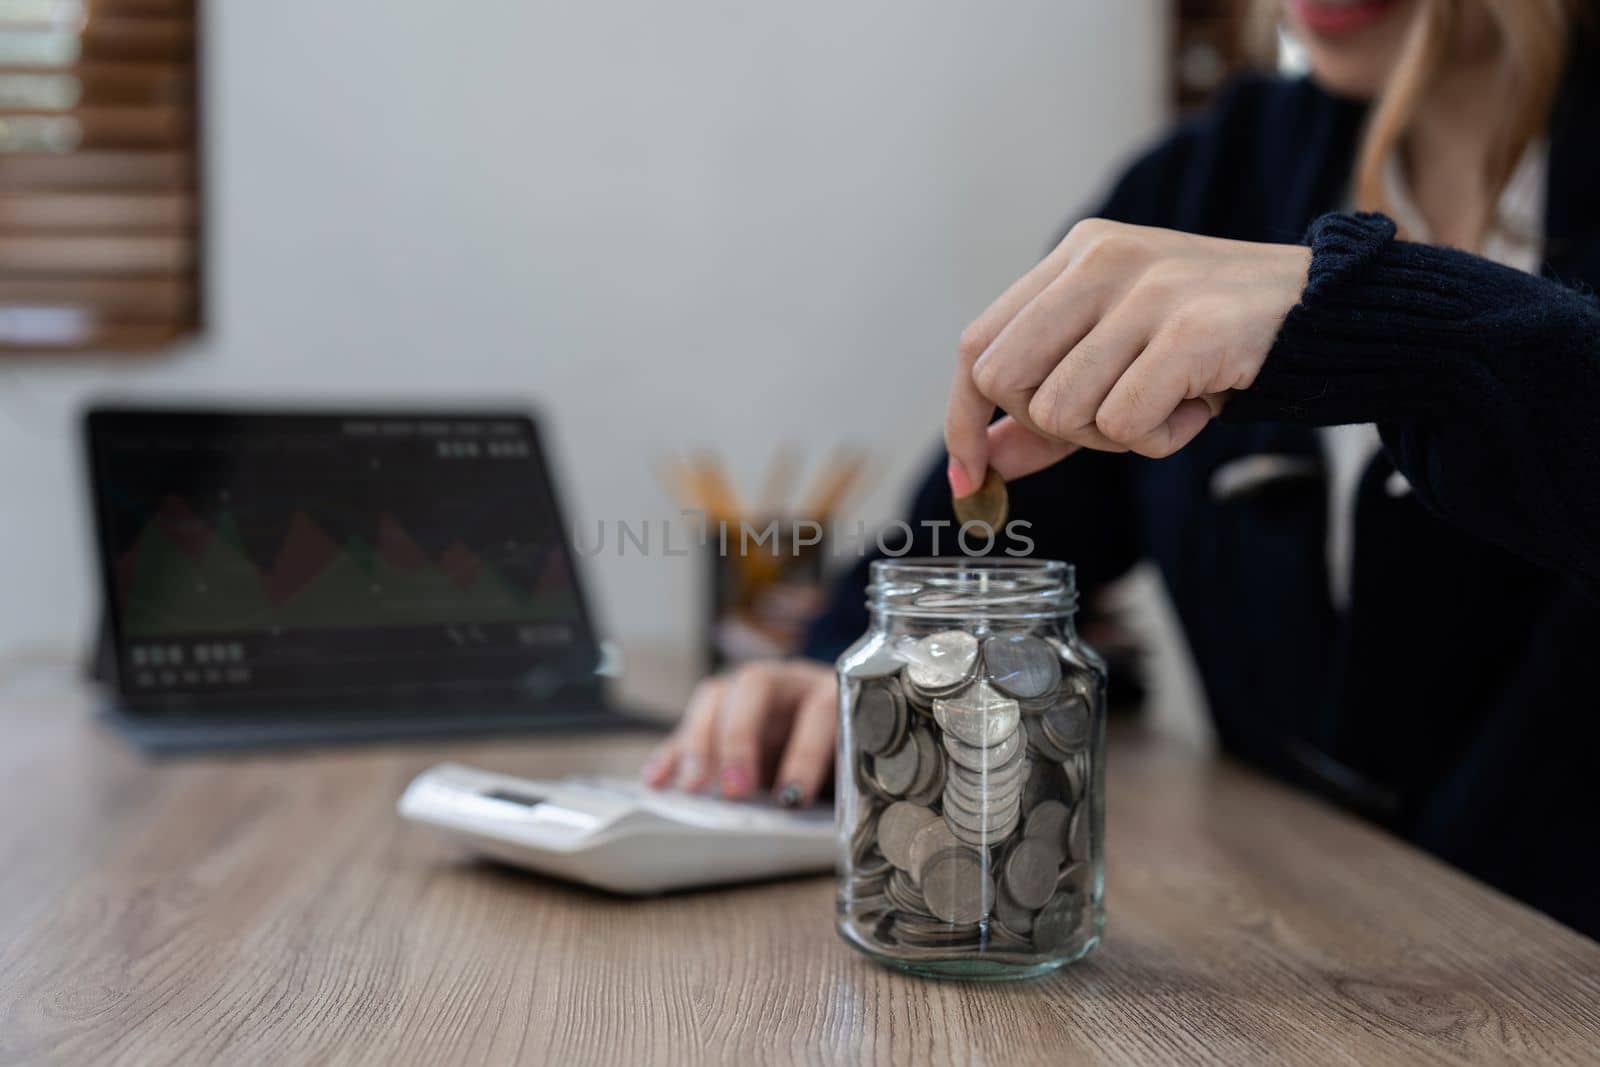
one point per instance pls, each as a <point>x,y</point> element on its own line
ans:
<point>943,566</point>
<point>961,587</point>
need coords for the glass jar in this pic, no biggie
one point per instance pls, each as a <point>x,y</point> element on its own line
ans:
<point>970,778</point>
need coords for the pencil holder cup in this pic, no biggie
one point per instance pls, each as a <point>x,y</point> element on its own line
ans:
<point>970,782</point>
<point>765,587</point>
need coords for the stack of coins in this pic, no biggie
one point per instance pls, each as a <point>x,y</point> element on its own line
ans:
<point>972,826</point>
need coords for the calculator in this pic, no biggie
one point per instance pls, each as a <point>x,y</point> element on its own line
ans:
<point>616,833</point>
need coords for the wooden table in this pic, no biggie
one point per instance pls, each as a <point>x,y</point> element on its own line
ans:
<point>274,909</point>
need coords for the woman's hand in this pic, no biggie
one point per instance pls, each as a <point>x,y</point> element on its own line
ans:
<point>740,725</point>
<point>1123,338</point>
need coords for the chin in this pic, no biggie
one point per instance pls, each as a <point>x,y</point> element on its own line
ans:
<point>1354,80</point>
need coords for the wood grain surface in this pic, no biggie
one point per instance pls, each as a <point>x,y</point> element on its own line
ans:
<point>274,909</point>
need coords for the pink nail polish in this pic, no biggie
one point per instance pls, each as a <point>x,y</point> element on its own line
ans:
<point>960,484</point>
<point>735,781</point>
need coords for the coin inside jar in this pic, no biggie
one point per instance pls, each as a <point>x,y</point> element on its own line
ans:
<point>897,769</point>
<point>1017,918</point>
<point>980,717</point>
<point>878,718</point>
<point>1050,822</point>
<point>1055,925</point>
<point>897,825</point>
<point>976,758</point>
<point>927,843</point>
<point>940,662</point>
<point>956,887</point>
<point>1067,724</point>
<point>1029,875</point>
<point>1021,665</point>
<point>1078,834</point>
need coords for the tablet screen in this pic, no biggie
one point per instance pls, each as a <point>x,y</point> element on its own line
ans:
<point>266,556</point>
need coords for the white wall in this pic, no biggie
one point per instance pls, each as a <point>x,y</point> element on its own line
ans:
<point>704,222</point>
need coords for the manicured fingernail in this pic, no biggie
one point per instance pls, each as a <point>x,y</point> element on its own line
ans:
<point>960,484</point>
<point>652,767</point>
<point>689,773</point>
<point>790,796</point>
<point>735,781</point>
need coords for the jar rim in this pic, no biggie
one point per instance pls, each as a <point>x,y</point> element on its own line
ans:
<point>946,587</point>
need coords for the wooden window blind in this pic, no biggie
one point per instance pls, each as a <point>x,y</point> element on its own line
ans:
<point>99,189</point>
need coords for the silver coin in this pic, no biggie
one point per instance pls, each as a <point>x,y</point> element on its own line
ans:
<point>1010,778</point>
<point>1074,878</point>
<point>1029,874</point>
<point>927,843</point>
<point>881,663</point>
<point>915,698</point>
<point>897,769</point>
<point>878,718</point>
<point>931,933</point>
<point>928,762</point>
<point>1040,744</point>
<point>987,838</point>
<point>973,798</point>
<point>868,907</point>
<point>865,834</point>
<point>873,865</point>
<point>928,795</point>
<point>1021,666</point>
<point>896,827</point>
<point>940,661</point>
<point>1002,937</point>
<point>1049,822</point>
<point>997,802</point>
<point>974,758</point>
<point>1073,657</point>
<point>1055,926</point>
<point>904,895</point>
<point>980,717</point>
<point>1046,781</point>
<point>1077,775</point>
<point>992,827</point>
<point>1001,775</point>
<point>956,886</point>
<point>1078,834</point>
<point>981,813</point>
<point>867,783</point>
<point>1067,724</point>
<point>1017,918</point>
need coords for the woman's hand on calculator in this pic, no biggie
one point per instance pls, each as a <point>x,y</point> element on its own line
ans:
<point>742,726</point>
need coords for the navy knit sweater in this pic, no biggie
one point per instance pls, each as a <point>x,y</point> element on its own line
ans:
<point>1453,700</point>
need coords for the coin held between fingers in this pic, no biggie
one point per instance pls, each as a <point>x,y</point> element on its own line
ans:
<point>989,505</point>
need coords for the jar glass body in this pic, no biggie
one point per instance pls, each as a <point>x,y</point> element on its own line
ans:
<point>970,777</point>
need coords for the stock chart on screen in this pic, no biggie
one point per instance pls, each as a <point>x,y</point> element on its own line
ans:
<point>291,551</point>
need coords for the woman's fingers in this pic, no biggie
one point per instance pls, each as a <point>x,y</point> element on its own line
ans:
<point>750,700</point>
<point>659,769</point>
<point>1016,451</point>
<point>969,411</point>
<point>1066,404</point>
<point>1139,410</point>
<point>966,415</point>
<point>696,733</point>
<point>809,753</point>
<point>1053,325</point>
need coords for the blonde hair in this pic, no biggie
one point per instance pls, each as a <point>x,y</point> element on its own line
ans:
<point>1533,36</point>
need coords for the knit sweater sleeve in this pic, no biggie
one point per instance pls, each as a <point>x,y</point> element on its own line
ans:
<point>1484,382</point>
